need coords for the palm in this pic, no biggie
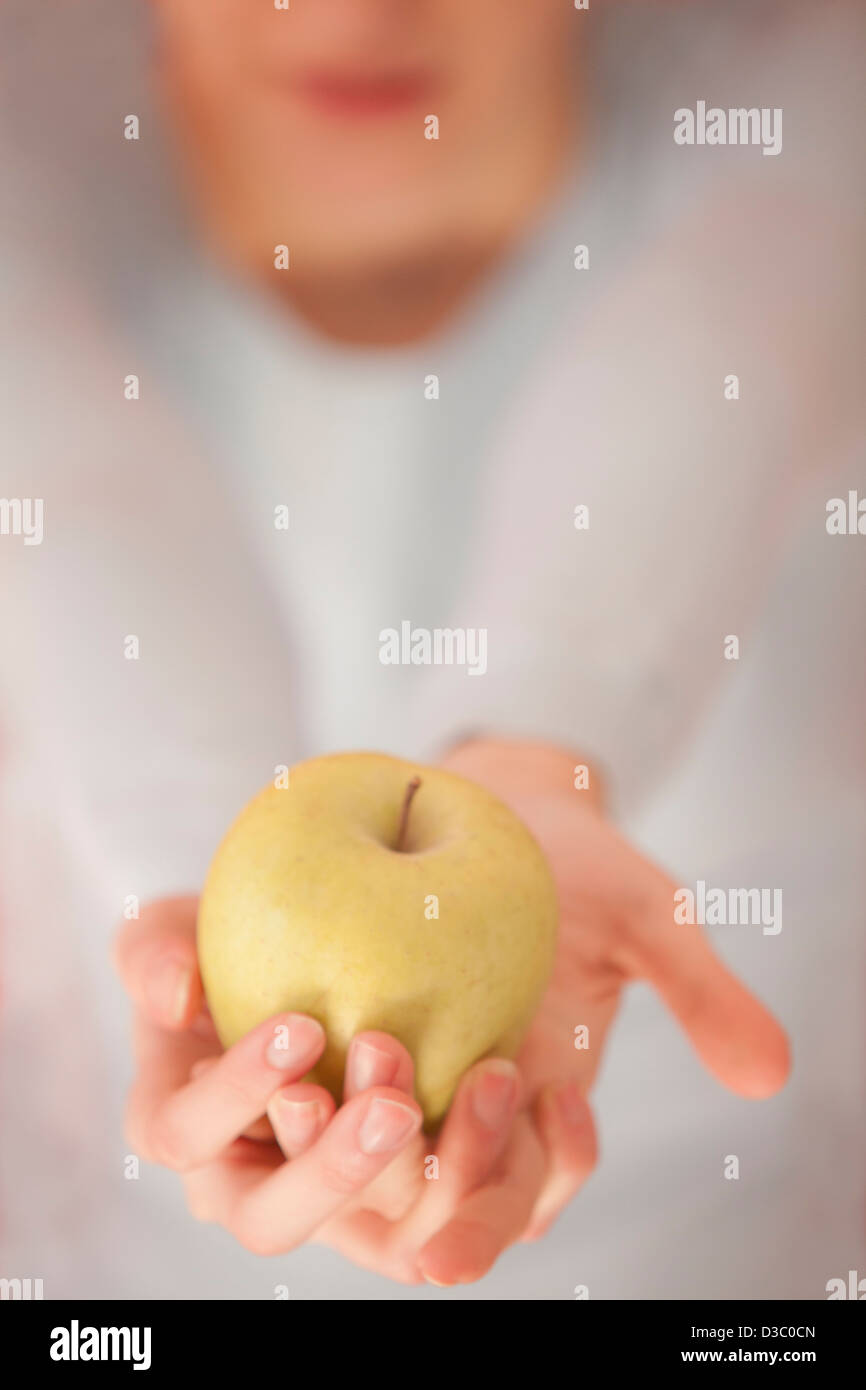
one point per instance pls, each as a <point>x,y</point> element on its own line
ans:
<point>567,1034</point>
<point>588,976</point>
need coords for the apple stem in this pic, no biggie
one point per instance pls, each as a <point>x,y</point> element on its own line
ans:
<point>404,814</point>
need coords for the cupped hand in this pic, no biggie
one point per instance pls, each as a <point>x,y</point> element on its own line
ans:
<point>275,1161</point>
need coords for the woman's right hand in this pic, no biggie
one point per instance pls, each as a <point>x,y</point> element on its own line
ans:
<point>357,1179</point>
<point>199,1110</point>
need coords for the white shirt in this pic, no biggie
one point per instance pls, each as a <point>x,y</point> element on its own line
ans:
<point>558,388</point>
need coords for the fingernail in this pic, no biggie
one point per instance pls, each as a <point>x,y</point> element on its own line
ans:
<point>571,1105</point>
<point>299,1120</point>
<point>294,1040</point>
<point>370,1066</point>
<point>386,1125</point>
<point>170,988</point>
<point>493,1093</point>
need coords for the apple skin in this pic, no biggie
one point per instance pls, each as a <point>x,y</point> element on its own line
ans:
<point>307,906</point>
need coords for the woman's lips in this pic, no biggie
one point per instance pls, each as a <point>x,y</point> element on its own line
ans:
<point>353,96</point>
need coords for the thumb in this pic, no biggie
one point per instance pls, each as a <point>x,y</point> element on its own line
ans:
<point>734,1035</point>
<point>155,957</point>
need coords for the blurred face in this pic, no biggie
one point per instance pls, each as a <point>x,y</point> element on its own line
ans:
<point>307,126</point>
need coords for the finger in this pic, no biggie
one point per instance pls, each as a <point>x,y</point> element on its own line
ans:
<point>213,1191</point>
<point>565,1126</point>
<point>398,1187</point>
<point>203,1065</point>
<point>377,1059</point>
<point>372,1242</point>
<point>195,1122</point>
<point>260,1130</point>
<point>472,1141</point>
<point>361,1140</point>
<point>165,1061</point>
<point>156,959</point>
<point>737,1039</point>
<point>477,1126</point>
<point>489,1219</point>
<point>298,1115</point>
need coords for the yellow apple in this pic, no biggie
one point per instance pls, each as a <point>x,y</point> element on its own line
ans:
<point>372,893</point>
